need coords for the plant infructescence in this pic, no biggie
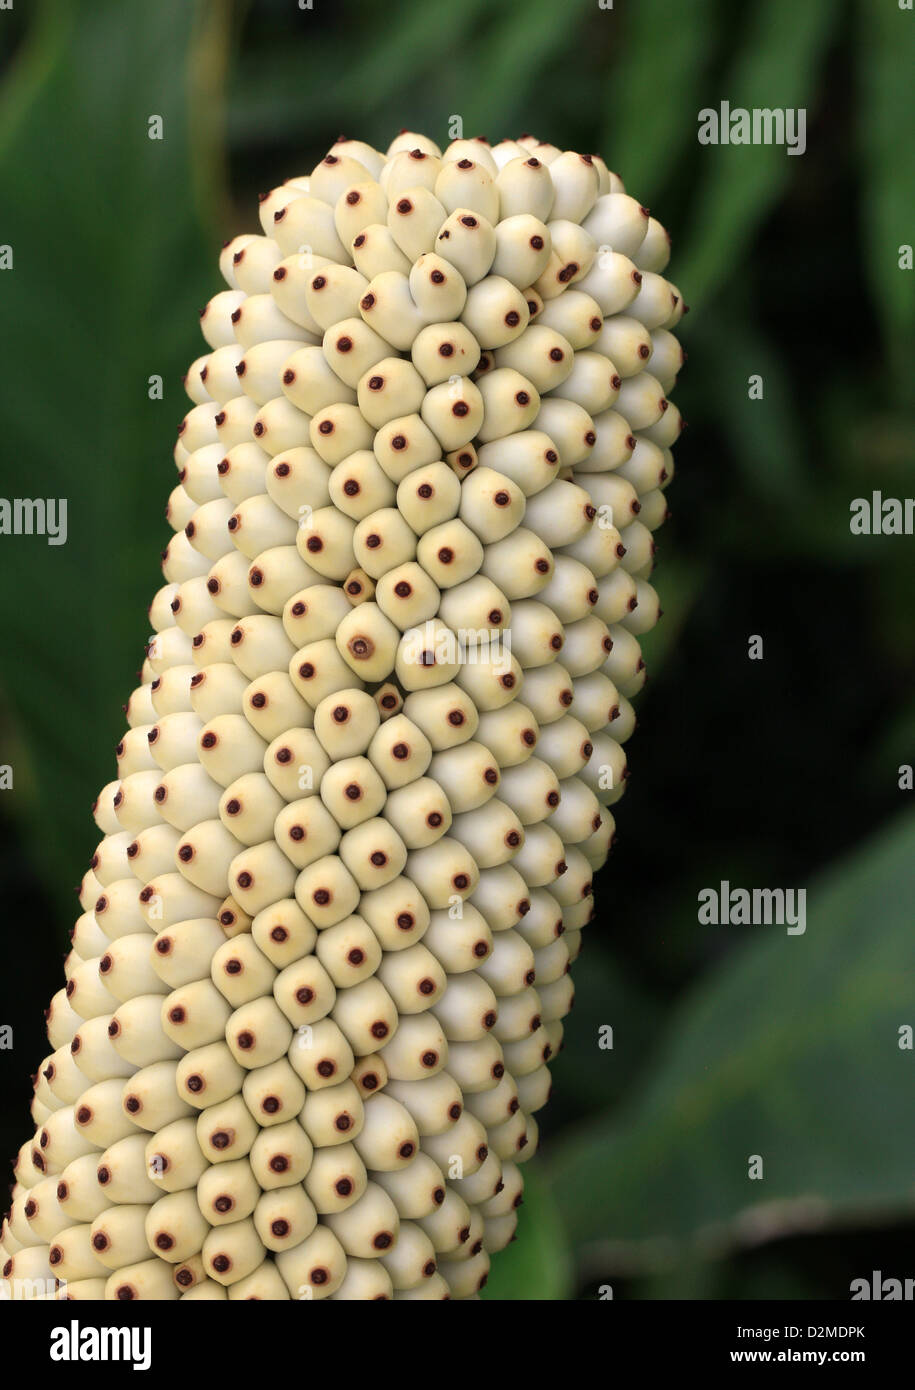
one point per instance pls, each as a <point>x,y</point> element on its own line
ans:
<point>323,960</point>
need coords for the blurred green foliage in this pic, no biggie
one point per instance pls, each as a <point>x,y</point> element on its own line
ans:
<point>110,268</point>
<point>756,1042</point>
<point>728,1041</point>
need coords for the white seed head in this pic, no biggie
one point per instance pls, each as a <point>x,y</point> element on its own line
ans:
<point>364,788</point>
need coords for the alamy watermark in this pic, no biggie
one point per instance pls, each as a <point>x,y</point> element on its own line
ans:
<point>880,1289</point>
<point>28,1290</point>
<point>468,646</point>
<point>34,516</point>
<point>881,516</point>
<point>735,125</point>
<point>76,1343</point>
<point>727,906</point>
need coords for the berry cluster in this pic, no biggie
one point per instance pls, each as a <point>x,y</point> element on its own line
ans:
<point>324,955</point>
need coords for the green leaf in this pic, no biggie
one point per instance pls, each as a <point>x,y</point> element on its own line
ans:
<point>604,993</point>
<point>764,434</point>
<point>664,54</point>
<point>680,582</point>
<point>385,61</point>
<point>887,165</point>
<point>502,84</point>
<point>536,1264</point>
<point>89,197</point>
<point>790,1051</point>
<point>777,67</point>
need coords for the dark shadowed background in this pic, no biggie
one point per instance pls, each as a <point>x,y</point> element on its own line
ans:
<point>729,1041</point>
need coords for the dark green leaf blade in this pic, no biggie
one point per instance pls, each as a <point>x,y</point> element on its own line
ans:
<point>536,1264</point>
<point>743,182</point>
<point>89,195</point>
<point>789,1051</point>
